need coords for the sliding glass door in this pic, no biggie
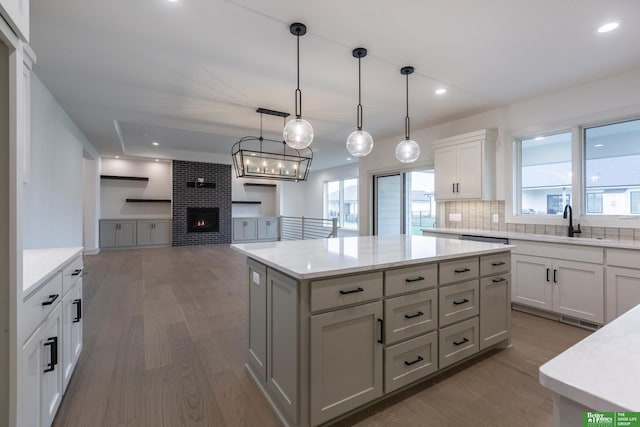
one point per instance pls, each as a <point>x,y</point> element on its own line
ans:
<point>388,211</point>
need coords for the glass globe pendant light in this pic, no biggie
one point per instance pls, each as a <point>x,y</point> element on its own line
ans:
<point>359,142</point>
<point>298,133</point>
<point>407,150</point>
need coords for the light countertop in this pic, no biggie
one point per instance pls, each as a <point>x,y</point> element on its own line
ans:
<point>38,264</point>
<point>138,218</point>
<point>585,241</point>
<point>307,259</point>
<point>601,372</point>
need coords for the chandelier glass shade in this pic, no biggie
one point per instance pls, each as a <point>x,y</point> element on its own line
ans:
<point>407,150</point>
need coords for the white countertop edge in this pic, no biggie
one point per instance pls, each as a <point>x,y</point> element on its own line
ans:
<point>48,262</point>
<point>582,241</point>
<point>366,268</point>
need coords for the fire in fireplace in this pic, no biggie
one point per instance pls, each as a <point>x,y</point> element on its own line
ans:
<point>202,220</point>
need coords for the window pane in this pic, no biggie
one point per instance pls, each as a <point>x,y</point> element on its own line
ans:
<point>422,204</point>
<point>612,156</point>
<point>545,172</point>
<point>350,205</point>
<point>332,206</point>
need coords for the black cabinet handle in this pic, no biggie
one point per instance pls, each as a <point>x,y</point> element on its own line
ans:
<point>501,279</point>
<point>351,291</point>
<point>76,272</point>
<point>53,348</point>
<point>555,276</point>
<point>464,340</point>
<point>547,274</point>
<point>78,304</point>
<point>51,299</point>
<point>453,187</point>
<point>411,316</point>
<point>462,270</point>
<point>415,279</point>
<point>464,301</point>
<point>413,362</point>
<point>495,264</point>
<point>381,323</point>
<point>457,187</point>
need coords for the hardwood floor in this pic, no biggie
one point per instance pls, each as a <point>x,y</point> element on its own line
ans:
<point>165,338</point>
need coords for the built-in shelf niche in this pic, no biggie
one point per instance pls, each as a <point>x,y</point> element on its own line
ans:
<point>148,200</point>
<point>255,184</point>
<point>246,202</point>
<point>125,178</point>
<point>193,184</point>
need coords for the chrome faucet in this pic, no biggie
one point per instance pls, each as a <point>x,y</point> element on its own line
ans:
<point>572,231</point>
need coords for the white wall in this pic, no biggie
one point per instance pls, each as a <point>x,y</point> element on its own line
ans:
<point>91,205</point>
<point>607,99</point>
<point>314,189</point>
<point>113,193</point>
<point>292,198</point>
<point>268,196</point>
<point>53,197</point>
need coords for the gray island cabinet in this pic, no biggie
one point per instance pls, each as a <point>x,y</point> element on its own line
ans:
<point>337,324</point>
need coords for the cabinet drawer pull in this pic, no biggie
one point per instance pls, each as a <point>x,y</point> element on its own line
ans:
<point>457,187</point>
<point>501,279</point>
<point>352,291</point>
<point>495,264</point>
<point>415,279</point>
<point>411,316</point>
<point>462,270</point>
<point>464,340</point>
<point>381,323</point>
<point>51,299</point>
<point>555,276</point>
<point>53,348</point>
<point>413,362</point>
<point>453,187</point>
<point>78,304</point>
<point>464,301</point>
<point>547,274</point>
<point>76,272</point>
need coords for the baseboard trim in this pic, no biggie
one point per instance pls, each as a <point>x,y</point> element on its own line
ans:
<point>91,251</point>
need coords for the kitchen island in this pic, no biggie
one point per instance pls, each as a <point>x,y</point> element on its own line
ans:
<point>337,324</point>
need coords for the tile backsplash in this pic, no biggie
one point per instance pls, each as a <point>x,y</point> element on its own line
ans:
<point>480,215</point>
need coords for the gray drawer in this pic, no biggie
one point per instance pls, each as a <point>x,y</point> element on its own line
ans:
<point>331,293</point>
<point>495,264</point>
<point>409,361</point>
<point>409,279</point>
<point>457,342</point>
<point>458,302</point>
<point>458,270</point>
<point>410,315</point>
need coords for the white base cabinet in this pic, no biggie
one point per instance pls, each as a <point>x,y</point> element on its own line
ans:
<point>152,232</point>
<point>261,229</point>
<point>115,234</point>
<point>133,233</point>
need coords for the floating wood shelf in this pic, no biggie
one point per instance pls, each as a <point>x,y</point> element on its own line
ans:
<point>253,184</point>
<point>193,184</point>
<point>125,178</point>
<point>246,202</point>
<point>148,200</point>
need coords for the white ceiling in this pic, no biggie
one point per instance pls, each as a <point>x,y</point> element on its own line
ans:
<point>191,74</point>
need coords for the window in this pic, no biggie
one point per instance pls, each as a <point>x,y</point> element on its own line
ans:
<point>612,156</point>
<point>341,202</point>
<point>544,174</point>
<point>594,203</point>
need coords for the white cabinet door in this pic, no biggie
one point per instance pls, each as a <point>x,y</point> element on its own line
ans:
<point>152,232</point>
<point>245,229</point>
<point>622,290</point>
<point>532,283</point>
<point>127,233</point>
<point>578,290</point>
<point>258,319</point>
<point>446,172</point>
<point>144,232</point>
<point>346,360</point>
<point>108,232</point>
<point>52,380</point>
<point>267,228</point>
<point>72,330</point>
<point>30,381</point>
<point>469,184</point>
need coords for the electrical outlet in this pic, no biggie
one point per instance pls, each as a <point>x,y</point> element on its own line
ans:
<point>496,218</point>
<point>455,217</point>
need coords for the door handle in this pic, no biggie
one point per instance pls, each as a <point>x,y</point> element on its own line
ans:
<point>415,279</point>
<point>464,301</point>
<point>457,187</point>
<point>547,274</point>
<point>464,340</point>
<point>495,264</point>
<point>51,299</point>
<point>381,323</point>
<point>411,316</point>
<point>78,304</point>
<point>461,270</point>
<point>351,291</point>
<point>501,279</point>
<point>555,276</point>
<point>76,272</point>
<point>453,187</point>
<point>53,348</point>
<point>413,362</point>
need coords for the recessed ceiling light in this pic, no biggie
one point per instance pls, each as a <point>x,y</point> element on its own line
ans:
<point>609,26</point>
<point>156,143</point>
<point>173,1</point>
<point>117,157</point>
<point>599,145</point>
<point>539,138</point>
<point>441,91</point>
<point>348,158</point>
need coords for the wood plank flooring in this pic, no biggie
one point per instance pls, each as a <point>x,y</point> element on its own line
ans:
<point>165,339</point>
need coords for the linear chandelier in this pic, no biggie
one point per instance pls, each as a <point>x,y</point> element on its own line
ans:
<point>264,158</point>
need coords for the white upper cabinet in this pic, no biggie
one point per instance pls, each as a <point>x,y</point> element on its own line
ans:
<point>465,166</point>
<point>16,13</point>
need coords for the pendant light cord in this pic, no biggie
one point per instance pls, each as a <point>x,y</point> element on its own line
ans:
<point>359,110</point>
<point>298,91</point>
<point>407,123</point>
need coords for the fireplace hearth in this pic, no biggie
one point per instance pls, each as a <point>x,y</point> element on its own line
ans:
<point>203,220</point>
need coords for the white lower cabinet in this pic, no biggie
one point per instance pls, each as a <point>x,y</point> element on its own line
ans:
<point>52,373</point>
<point>458,341</point>
<point>267,228</point>
<point>72,330</point>
<point>623,290</point>
<point>152,232</point>
<point>495,300</point>
<point>409,361</point>
<point>117,233</point>
<point>245,229</point>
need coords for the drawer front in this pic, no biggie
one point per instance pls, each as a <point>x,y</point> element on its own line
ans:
<point>458,302</point>
<point>33,312</point>
<point>71,273</point>
<point>458,270</point>
<point>410,279</point>
<point>346,290</point>
<point>410,361</point>
<point>410,315</point>
<point>495,264</point>
<point>458,341</point>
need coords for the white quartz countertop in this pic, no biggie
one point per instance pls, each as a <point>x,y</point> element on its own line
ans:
<point>307,259</point>
<point>585,241</point>
<point>602,372</point>
<point>38,264</point>
<point>137,217</point>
